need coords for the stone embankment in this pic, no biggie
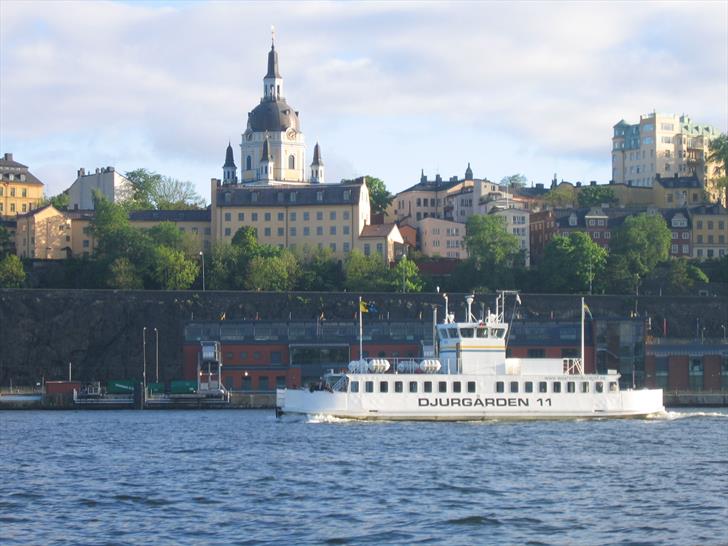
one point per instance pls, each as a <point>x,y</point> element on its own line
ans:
<point>100,331</point>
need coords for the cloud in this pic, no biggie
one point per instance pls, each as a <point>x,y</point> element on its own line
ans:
<point>165,85</point>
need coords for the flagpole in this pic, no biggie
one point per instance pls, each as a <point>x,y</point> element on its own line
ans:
<point>583,364</point>
<point>361,349</point>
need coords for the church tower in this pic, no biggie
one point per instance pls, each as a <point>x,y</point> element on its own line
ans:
<point>265,169</point>
<point>317,166</point>
<point>229,170</point>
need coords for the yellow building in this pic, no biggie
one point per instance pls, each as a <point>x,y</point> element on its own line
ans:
<point>195,223</point>
<point>44,233</point>
<point>710,231</point>
<point>20,190</point>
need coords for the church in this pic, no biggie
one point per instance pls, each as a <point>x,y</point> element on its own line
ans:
<point>283,198</point>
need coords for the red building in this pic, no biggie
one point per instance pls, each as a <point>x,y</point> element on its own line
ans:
<point>686,365</point>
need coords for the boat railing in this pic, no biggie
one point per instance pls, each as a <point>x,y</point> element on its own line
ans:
<point>573,366</point>
<point>341,385</point>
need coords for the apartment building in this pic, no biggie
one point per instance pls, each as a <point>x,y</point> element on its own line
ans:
<point>106,181</point>
<point>44,233</point>
<point>663,144</point>
<point>442,238</point>
<point>709,231</point>
<point>20,190</point>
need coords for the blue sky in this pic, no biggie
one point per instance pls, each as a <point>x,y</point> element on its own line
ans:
<point>386,88</point>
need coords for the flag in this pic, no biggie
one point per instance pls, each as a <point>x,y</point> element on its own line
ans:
<point>223,316</point>
<point>588,311</point>
<point>363,307</point>
<point>518,299</point>
<point>371,307</point>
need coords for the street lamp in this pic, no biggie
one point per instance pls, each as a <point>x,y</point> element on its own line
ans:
<point>156,334</point>
<point>724,329</point>
<point>144,358</point>
<point>202,257</point>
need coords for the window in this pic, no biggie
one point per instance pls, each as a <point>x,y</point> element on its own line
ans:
<point>85,243</point>
<point>367,249</point>
<point>528,386</point>
<point>499,386</point>
<point>280,217</point>
<point>380,248</point>
<point>263,383</point>
<point>275,357</point>
<point>306,216</point>
<point>570,386</point>
<point>556,386</point>
<point>292,231</point>
<point>227,216</point>
<point>266,216</point>
<point>613,386</point>
<point>398,387</point>
<point>254,216</point>
<point>227,231</point>
<point>332,246</point>
<point>471,386</point>
<point>306,231</point>
<point>256,355</point>
<point>332,230</point>
<point>292,216</point>
<point>346,247</point>
<point>542,386</point>
<point>599,386</point>
<point>442,386</point>
<point>346,215</point>
<point>319,196</point>
<point>319,230</point>
<point>346,230</point>
<point>241,216</point>
<point>456,386</point>
<point>248,163</point>
<point>514,386</point>
<point>428,386</point>
<point>280,232</point>
<point>266,232</point>
<point>536,353</point>
<point>332,215</point>
<point>585,386</point>
<point>244,355</point>
<point>413,386</point>
<point>291,162</point>
<point>384,386</point>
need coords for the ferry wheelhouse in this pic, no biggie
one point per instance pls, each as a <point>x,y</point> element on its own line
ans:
<point>470,378</point>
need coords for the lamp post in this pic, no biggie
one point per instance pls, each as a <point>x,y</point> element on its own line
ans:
<point>156,335</point>
<point>144,360</point>
<point>724,329</point>
<point>202,257</point>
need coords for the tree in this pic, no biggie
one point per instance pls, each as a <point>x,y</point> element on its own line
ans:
<point>514,181</point>
<point>635,249</point>
<point>12,274</point>
<point>561,196</point>
<point>173,270</point>
<point>246,240</point>
<point>6,244</point>
<point>169,235</point>
<point>571,263</point>
<point>273,273</point>
<point>320,270</point>
<point>60,201</point>
<point>152,190</point>
<point>494,255</point>
<point>405,275</point>
<point>719,155</point>
<point>226,267</point>
<point>677,276</point>
<point>379,197</point>
<point>594,196</point>
<point>122,274</point>
<point>365,273</point>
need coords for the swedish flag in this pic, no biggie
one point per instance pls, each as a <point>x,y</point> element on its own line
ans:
<point>363,307</point>
<point>588,311</point>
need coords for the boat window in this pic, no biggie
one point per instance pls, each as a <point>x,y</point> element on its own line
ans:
<point>613,386</point>
<point>428,386</point>
<point>384,386</point>
<point>599,386</point>
<point>453,333</point>
<point>466,332</point>
<point>471,386</point>
<point>570,386</point>
<point>499,387</point>
<point>354,386</point>
<point>542,386</point>
<point>481,332</point>
<point>585,386</point>
<point>457,386</point>
<point>442,386</point>
<point>497,332</point>
<point>556,387</point>
<point>369,386</point>
<point>398,386</point>
<point>413,386</point>
<point>528,387</point>
<point>514,386</point>
<point>442,333</point>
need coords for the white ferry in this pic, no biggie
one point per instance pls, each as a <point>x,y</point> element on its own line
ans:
<point>470,378</point>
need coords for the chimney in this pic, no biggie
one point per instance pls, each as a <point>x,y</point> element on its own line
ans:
<point>81,172</point>
<point>8,157</point>
<point>593,183</point>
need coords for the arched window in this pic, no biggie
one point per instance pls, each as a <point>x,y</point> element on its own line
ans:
<point>291,162</point>
<point>248,163</point>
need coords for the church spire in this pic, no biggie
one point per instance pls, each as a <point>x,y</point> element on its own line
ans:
<point>272,82</point>
<point>317,166</point>
<point>229,169</point>
<point>468,172</point>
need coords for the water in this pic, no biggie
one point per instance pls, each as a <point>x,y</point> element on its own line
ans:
<point>241,477</point>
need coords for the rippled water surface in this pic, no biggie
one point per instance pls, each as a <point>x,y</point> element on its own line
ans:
<point>242,477</point>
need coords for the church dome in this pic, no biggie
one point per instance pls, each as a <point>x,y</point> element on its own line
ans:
<point>273,116</point>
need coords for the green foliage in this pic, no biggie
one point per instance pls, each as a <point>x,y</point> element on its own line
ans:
<point>571,262</point>
<point>716,269</point>
<point>169,235</point>
<point>6,244</point>
<point>514,181</point>
<point>594,196</point>
<point>246,240</point>
<point>561,196</point>
<point>676,277</point>
<point>719,153</point>
<point>152,190</point>
<point>405,275</point>
<point>173,270</point>
<point>60,201</point>
<point>320,270</point>
<point>636,248</point>
<point>379,197</point>
<point>365,273</point>
<point>12,274</point>
<point>122,274</point>
<point>225,267</point>
<point>273,273</point>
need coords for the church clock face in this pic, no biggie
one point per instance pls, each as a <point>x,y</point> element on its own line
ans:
<point>291,134</point>
<point>248,135</point>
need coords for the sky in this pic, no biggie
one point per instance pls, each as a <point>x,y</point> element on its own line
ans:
<point>388,89</point>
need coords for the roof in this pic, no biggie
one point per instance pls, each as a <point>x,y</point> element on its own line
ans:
<point>679,181</point>
<point>265,154</point>
<point>229,160</point>
<point>36,211</point>
<point>288,195</point>
<point>317,155</point>
<point>433,185</point>
<point>10,170</point>
<point>273,115</point>
<point>378,231</point>
<point>715,208</point>
<point>272,63</point>
<point>192,215</point>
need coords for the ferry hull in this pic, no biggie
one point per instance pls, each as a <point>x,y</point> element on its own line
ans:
<point>624,404</point>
